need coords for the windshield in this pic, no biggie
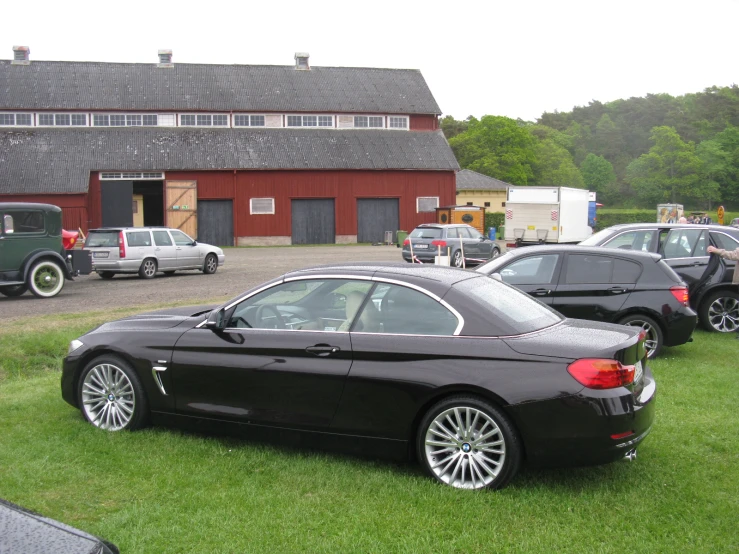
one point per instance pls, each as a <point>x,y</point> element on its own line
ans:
<point>426,233</point>
<point>102,238</point>
<point>597,238</point>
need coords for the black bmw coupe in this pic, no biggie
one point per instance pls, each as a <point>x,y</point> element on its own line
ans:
<point>463,372</point>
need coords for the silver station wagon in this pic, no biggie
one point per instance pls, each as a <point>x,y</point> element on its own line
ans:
<point>148,250</point>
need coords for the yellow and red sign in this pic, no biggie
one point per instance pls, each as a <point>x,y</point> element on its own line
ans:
<point>720,213</point>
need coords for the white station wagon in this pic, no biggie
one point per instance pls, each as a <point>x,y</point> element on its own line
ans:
<point>148,250</point>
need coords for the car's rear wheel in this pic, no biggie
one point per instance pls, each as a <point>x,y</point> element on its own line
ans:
<point>46,279</point>
<point>111,396</point>
<point>719,312</point>
<point>106,274</point>
<point>148,268</point>
<point>468,443</point>
<point>654,339</point>
<point>13,290</point>
<point>495,254</point>
<point>211,264</point>
<point>457,258</point>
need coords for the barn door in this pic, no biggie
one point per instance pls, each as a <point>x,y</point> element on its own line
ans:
<point>116,202</point>
<point>374,217</point>
<point>181,199</point>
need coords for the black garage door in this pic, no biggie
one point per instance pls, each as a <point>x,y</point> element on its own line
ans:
<point>116,199</point>
<point>374,217</point>
<point>313,221</point>
<point>215,222</point>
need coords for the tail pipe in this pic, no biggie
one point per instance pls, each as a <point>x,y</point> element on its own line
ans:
<point>630,456</point>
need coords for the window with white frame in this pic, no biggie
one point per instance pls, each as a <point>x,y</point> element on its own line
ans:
<point>135,176</point>
<point>16,119</point>
<point>62,119</point>
<point>369,121</point>
<point>427,204</point>
<point>310,121</point>
<point>397,122</point>
<point>124,120</point>
<point>262,206</point>
<point>244,120</point>
<point>204,120</point>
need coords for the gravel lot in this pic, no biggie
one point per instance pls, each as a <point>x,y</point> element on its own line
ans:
<point>244,268</point>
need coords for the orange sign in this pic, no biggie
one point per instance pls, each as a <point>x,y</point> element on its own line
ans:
<point>720,213</point>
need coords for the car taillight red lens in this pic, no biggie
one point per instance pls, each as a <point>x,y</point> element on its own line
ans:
<point>596,373</point>
<point>406,242</point>
<point>681,294</point>
<point>121,246</point>
<point>441,243</point>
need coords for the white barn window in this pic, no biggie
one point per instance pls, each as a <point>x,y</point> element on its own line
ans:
<point>262,206</point>
<point>427,203</point>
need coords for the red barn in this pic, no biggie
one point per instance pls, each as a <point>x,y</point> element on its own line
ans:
<point>231,154</point>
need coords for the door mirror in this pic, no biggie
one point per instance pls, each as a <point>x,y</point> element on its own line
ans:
<point>497,277</point>
<point>194,243</point>
<point>216,320</point>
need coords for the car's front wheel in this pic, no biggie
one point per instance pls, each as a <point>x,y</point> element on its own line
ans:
<point>210,265</point>
<point>46,279</point>
<point>13,290</point>
<point>468,443</point>
<point>719,312</point>
<point>653,340</point>
<point>111,396</point>
<point>148,268</point>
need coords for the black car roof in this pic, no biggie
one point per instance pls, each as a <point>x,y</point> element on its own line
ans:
<point>586,250</point>
<point>712,227</point>
<point>441,274</point>
<point>442,225</point>
<point>29,206</point>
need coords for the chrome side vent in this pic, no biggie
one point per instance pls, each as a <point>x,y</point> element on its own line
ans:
<point>155,371</point>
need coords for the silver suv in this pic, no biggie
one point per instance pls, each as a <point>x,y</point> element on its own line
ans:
<point>147,250</point>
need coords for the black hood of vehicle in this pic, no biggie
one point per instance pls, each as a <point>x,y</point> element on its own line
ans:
<point>160,319</point>
<point>584,339</point>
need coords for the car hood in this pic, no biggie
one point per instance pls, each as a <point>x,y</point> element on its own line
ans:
<point>576,338</point>
<point>160,319</point>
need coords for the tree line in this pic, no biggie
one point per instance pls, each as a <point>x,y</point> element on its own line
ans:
<point>634,153</point>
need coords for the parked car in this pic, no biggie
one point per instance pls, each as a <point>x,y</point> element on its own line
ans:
<point>428,238</point>
<point>735,222</point>
<point>603,284</point>
<point>148,250</point>
<point>683,247</point>
<point>32,250</point>
<point>466,372</point>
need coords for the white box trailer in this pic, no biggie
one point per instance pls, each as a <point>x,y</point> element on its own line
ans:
<point>540,215</point>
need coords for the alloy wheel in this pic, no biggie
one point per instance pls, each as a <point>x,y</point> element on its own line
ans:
<point>465,448</point>
<point>651,342</point>
<point>457,259</point>
<point>723,314</point>
<point>211,264</point>
<point>108,397</point>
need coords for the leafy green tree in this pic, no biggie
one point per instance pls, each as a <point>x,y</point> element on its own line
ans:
<point>597,173</point>
<point>451,127</point>
<point>554,166</point>
<point>496,146</point>
<point>714,167</point>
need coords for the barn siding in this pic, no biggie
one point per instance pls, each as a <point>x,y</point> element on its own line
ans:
<point>424,123</point>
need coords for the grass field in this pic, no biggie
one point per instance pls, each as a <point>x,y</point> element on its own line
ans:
<point>161,491</point>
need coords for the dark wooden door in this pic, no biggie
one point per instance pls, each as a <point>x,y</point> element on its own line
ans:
<point>374,217</point>
<point>215,222</point>
<point>313,221</point>
<point>116,199</point>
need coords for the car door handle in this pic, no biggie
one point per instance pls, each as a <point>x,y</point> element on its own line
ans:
<point>323,350</point>
<point>540,292</point>
<point>616,290</point>
<point>697,263</point>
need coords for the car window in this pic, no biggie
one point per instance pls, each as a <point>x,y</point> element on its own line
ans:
<point>7,224</point>
<point>464,232</point>
<point>426,233</point>
<point>107,239</point>
<point>531,270</point>
<point>701,245</point>
<point>597,238</point>
<point>138,238</point>
<point>162,238</point>
<point>681,243</point>
<point>632,240</point>
<point>625,271</point>
<point>20,222</point>
<point>452,233</point>
<point>588,269</point>
<point>725,241</point>
<point>180,238</point>
<point>474,233</point>
<point>406,311</point>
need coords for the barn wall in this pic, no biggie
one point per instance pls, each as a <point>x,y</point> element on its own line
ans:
<point>424,123</point>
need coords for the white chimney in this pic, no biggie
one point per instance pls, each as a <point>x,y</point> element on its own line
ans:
<point>21,55</point>
<point>165,58</point>
<point>301,60</point>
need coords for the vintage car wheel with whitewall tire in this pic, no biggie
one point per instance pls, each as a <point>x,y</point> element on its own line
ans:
<point>148,268</point>
<point>111,396</point>
<point>654,339</point>
<point>45,279</point>
<point>211,264</point>
<point>467,443</point>
<point>719,312</point>
<point>13,290</point>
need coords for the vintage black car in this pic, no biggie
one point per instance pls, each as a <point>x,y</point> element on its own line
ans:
<point>603,284</point>
<point>464,372</point>
<point>683,247</point>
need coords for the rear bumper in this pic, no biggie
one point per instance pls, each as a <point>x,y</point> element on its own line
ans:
<point>426,256</point>
<point>578,429</point>
<point>119,266</point>
<point>680,326</point>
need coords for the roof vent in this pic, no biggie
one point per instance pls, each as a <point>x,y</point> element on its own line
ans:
<point>21,55</point>
<point>165,58</point>
<point>301,60</point>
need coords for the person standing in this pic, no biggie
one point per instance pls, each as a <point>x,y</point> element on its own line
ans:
<point>728,255</point>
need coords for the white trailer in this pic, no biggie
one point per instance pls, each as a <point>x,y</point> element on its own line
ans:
<point>540,215</point>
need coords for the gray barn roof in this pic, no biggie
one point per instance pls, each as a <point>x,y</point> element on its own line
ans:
<point>52,160</point>
<point>200,87</point>
<point>471,180</point>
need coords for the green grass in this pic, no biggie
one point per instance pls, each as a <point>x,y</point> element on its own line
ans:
<point>160,490</point>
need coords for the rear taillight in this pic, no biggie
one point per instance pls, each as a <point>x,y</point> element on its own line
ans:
<point>595,373</point>
<point>121,246</point>
<point>406,242</point>
<point>439,243</point>
<point>681,294</point>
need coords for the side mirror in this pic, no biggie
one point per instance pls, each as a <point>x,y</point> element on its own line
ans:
<point>216,320</point>
<point>194,243</point>
<point>497,277</point>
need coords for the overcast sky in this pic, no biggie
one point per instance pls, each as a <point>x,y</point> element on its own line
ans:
<point>516,58</point>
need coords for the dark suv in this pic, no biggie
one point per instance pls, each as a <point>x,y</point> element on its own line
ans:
<point>603,284</point>
<point>32,256</point>
<point>683,247</point>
